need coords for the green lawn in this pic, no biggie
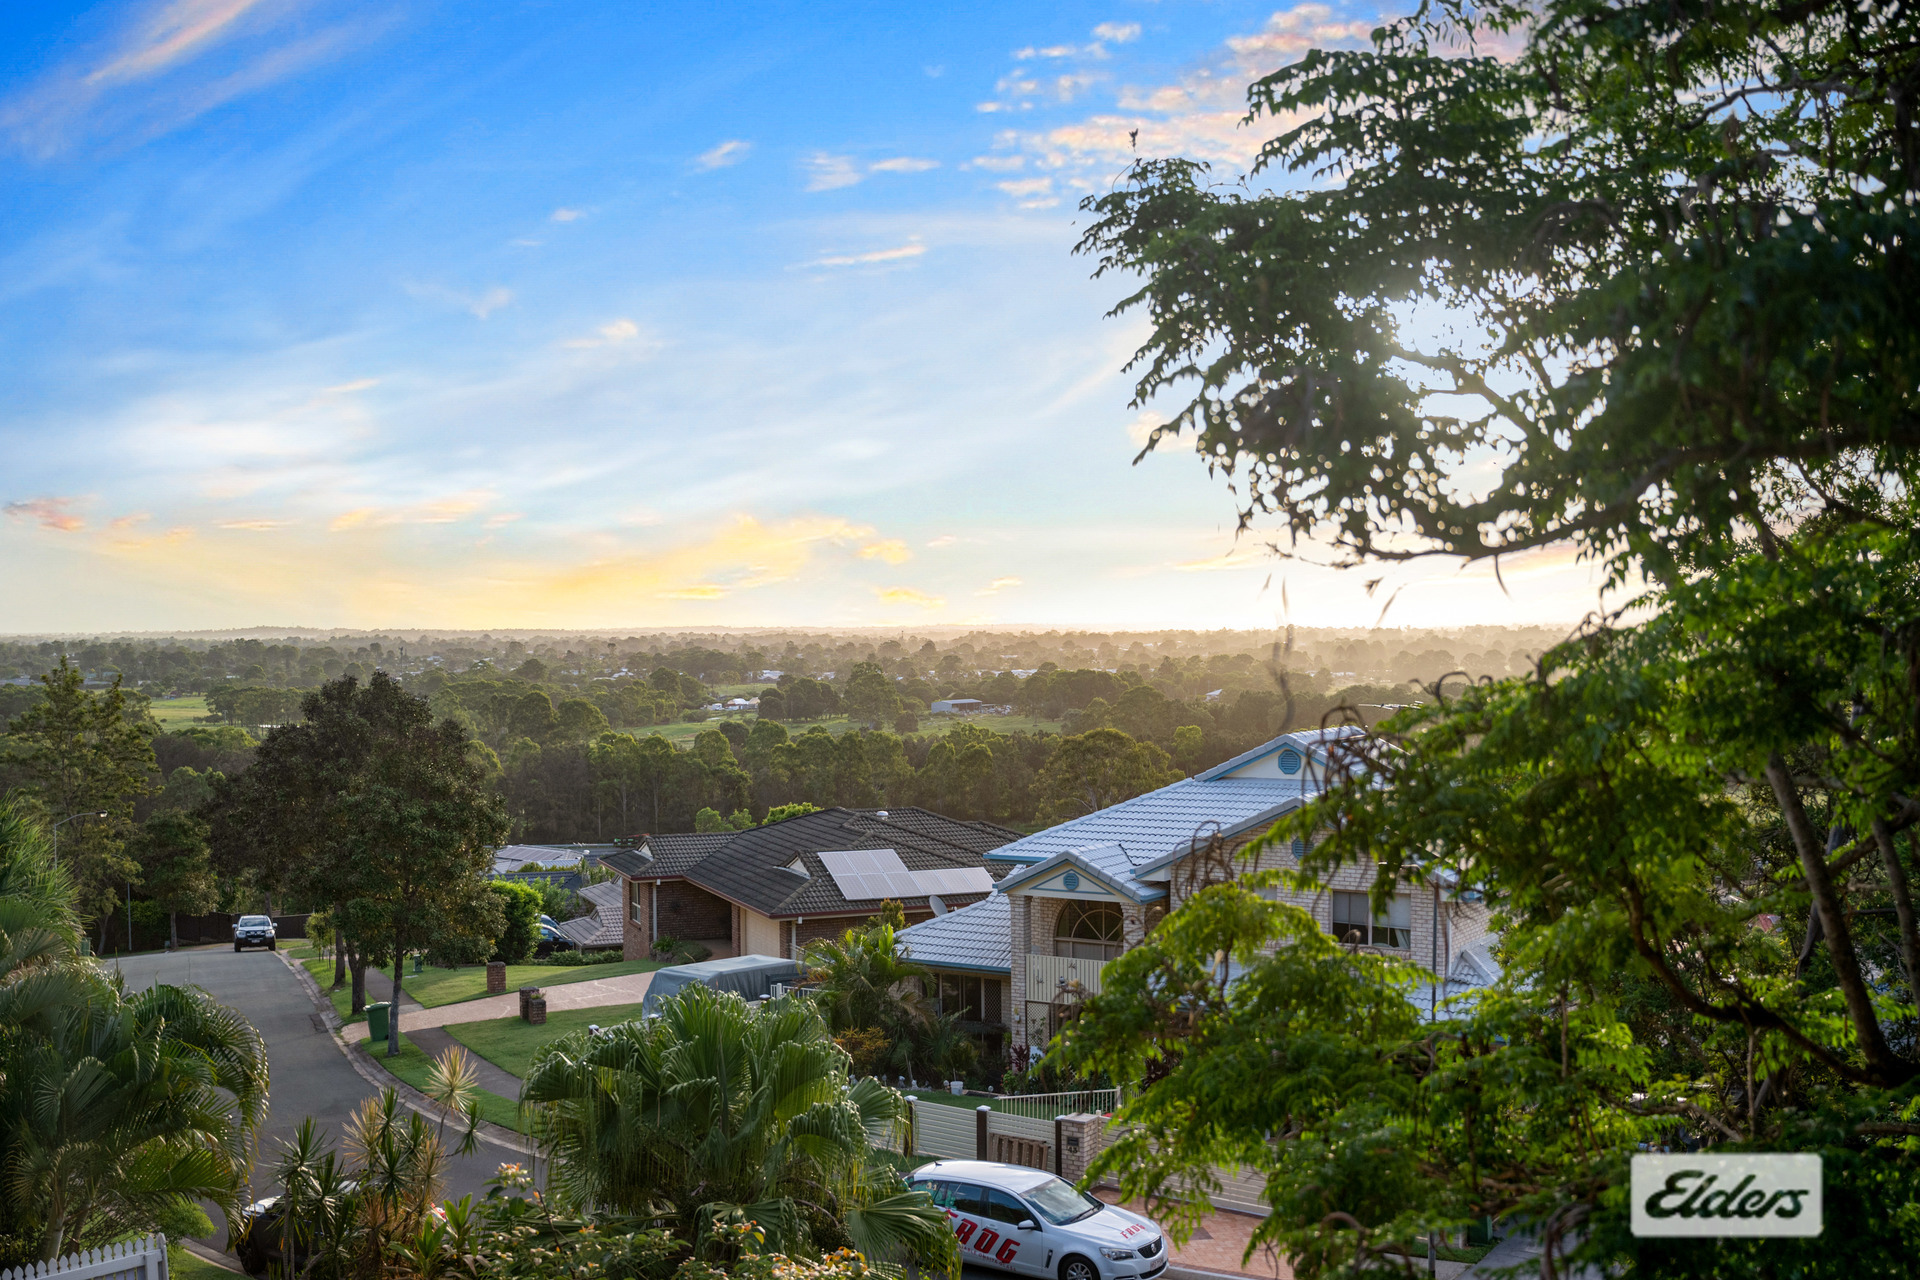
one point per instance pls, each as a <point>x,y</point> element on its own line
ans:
<point>183,1265</point>
<point>412,1066</point>
<point>436,987</point>
<point>510,1044</point>
<point>178,713</point>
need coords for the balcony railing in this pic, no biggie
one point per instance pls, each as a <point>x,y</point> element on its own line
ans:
<point>1048,976</point>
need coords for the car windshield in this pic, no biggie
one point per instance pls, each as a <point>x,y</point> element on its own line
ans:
<point>254,920</point>
<point>1057,1202</point>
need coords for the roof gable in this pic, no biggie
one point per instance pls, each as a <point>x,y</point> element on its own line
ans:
<point>1096,872</point>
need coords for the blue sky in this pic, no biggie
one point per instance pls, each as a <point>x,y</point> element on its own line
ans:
<point>608,315</point>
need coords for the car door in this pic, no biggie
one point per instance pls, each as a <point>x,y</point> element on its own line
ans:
<point>1025,1252</point>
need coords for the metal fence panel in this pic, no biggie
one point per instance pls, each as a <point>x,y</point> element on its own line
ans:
<point>946,1132</point>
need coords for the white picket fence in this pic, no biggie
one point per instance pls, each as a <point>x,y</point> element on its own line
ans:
<point>142,1259</point>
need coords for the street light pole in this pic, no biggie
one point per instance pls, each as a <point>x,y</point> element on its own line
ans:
<point>63,822</point>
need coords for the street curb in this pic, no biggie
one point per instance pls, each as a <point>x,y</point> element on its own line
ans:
<point>380,1078</point>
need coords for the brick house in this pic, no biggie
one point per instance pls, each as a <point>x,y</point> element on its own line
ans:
<point>770,890</point>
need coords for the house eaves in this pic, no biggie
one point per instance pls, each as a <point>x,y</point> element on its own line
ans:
<point>1121,883</point>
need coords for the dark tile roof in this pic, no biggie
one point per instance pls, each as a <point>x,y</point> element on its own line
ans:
<point>666,855</point>
<point>753,867</point>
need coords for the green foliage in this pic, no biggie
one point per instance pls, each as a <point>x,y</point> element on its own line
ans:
<point>1091,771</point>
<point>176,867</point>
<point>870,696</point>
<point>520,932</point>
<point>117,1110</point>
<point>1675,244</point>
<point>798,809</point>
<point>82,753</point>
<point>716,1113</point>
<point>372,809</point>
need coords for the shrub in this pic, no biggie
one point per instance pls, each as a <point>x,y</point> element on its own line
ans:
<point>522,931</point>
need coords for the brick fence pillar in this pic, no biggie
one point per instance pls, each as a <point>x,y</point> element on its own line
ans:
<point>1081,1137</point>
<point>537,1010</point>
<point>527,995</point>
<point>496,977</point>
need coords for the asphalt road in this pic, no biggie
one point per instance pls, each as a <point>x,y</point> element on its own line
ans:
<point>308,1075</point>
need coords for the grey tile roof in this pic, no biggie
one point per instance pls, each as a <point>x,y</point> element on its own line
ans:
<point>978,938</point>
<point>1164,821</point>
<point>600,927</point>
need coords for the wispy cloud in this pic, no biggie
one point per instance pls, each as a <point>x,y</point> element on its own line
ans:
<point>827,172</point>
<point>48,513</point>
<point>169,63</point>
<point>998,585</point>
<point>252,526</point>
<point>899,253</point>
<point>481,304</point>
<point>891,550</point>
<point>1117,32</point>
<point>1199,115</point>
<point>730,152</point>
<point>1032,193</point>
<point>1238,558</point>
<point>444,510</point>
<point>908,596</point>
<point>564,215</point>
<point>616,333</point>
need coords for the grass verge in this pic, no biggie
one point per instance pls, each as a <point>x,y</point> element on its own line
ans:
<point>510,1044</point>
<point>184,1264</point>
<point>322,971</point>
<point>412,1066</point>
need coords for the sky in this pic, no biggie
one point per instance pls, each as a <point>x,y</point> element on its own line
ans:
<point>606,315</point>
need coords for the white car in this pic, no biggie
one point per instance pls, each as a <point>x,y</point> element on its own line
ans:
<point>1033,1224</point>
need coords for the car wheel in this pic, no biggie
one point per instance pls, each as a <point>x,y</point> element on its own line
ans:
<point>236,946</point>
<point>273,944</point>
<point>1075,1267</point>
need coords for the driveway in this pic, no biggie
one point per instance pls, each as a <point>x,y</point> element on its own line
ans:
<point>308,1075</point>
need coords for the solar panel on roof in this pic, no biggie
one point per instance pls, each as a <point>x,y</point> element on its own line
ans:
<point>867,875</point>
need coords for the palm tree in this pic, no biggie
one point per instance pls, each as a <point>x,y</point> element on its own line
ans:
<point>117,1111</point>
<point>716,1113</point>
<point>865,982</point>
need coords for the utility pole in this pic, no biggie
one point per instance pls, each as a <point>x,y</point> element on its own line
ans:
<point>63,822</point>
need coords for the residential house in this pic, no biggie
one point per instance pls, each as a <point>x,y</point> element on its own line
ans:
<point>1076,896</point>
<point>770,890</point>
<point>600,928</point>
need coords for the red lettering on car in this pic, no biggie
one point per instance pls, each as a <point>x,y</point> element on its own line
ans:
<point>1008,1248</point>
<point>985,1243</point>
<point>965,1229</point>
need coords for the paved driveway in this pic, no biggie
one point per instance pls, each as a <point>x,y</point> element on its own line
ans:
<point>309,1076</point>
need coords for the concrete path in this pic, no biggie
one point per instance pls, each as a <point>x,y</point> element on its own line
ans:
<point>630,988</point>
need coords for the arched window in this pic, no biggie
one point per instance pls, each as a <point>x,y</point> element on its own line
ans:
<point>1089,931</point>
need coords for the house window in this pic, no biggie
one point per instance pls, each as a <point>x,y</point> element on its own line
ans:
<point>1089,931</point>
<point>1354,922</point>
<point>970,999</point>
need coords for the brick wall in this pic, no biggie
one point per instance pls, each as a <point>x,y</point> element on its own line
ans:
<point>689,912</point>
<point>636,934</point>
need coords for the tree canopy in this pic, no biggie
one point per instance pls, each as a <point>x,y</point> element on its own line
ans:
<point>1636,278</point>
